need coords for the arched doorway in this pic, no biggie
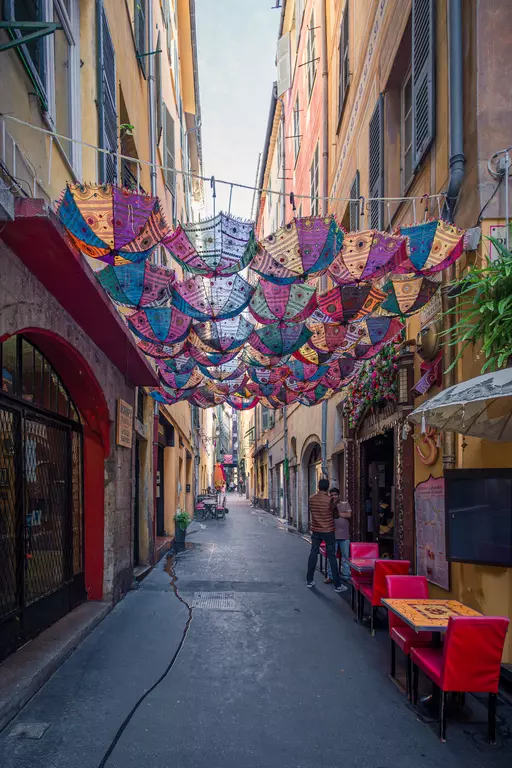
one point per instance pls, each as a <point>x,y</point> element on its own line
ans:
<point>53,424</point>
<point>311,471</point>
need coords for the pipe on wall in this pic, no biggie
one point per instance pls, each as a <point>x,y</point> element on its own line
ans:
<point>457,166</point>
<point>325,192</point>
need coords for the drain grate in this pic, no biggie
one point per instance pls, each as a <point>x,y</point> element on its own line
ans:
<point>215,601</point>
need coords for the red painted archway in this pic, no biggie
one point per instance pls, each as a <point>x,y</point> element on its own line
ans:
<point>88,397</point>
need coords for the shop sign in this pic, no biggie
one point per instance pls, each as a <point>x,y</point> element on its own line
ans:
<point>431,310</point>
<point>430,532</point>
<point>499,233</point>
<point>124,425</point>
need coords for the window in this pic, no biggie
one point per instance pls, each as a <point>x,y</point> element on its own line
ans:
<point>406,133</point>
<point>141,33</point>
<point>169,157</point>
<point>354,207</point>
<point>423,78</point>
<point>299,15</point>
<point>314,179</point>
<point>279,147</point>
<point>296,128</point>
<point>53,62</point>
<point>376,164</point>
<point>344,61</point>
<point>158,88</point>
<point>311,54</point>
<point>107,101</point>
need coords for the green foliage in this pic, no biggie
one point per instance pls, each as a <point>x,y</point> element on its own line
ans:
<point>182,520</point>
<point>484,305</point>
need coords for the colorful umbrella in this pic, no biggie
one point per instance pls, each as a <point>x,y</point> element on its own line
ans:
<point>182,381</point>
<point>433,246</point>
<point>219,476</point>
<point>137,285</point>
<point>205,399</point>
<point>160,325</point>
<point>209,359</point>
<point>345,304</point>
<point>218,299</point>
<point>303,247</point>
<point>112,224</point>
<point>232,370</point>
<point>242,403</point>
<point>368,255</point>
<point>280,340</point>
<point>407,296</point>
<point>224,335</point>
<point>219,246</point>
<point>182,363</point>
<point>302,371</point>
<point>282,303</point>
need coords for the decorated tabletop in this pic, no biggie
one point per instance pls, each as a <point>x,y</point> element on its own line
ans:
<point>428,615</point>
<point>362,565</point>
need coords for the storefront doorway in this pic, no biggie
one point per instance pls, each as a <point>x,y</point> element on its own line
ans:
<point>41,496</point>
<point>378,491</point>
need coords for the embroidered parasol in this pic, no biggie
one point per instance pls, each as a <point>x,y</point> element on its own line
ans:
<point>160,351</point>
<point>137,285</point>
<point>282,303</point>
<point>242,403</point>
<point>433,246</point>
<point>213,247</point>
<point>345,303</point>
<point>160,325</point>
<point>280,340</point>
<point>407,296</point>
<point>368,255</point>
<point>218,299</point>
<point>178,381</point>
<point>112,224</point>
<point>224,335</point>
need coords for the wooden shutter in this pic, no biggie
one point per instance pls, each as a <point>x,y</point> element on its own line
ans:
<point>423,78</point>
<point>299,14</point>
<point>284,68</point>
<point>107,99</point>
<point>344,61</point>
<point>170,156</point>
<point>354,207</point>
<point>141,35</point>
<point>158,89</point>
<point>376,164</point>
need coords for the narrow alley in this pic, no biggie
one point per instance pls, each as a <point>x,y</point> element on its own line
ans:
<point>269,673</point>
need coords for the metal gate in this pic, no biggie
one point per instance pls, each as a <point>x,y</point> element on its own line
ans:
<point>41,522</point>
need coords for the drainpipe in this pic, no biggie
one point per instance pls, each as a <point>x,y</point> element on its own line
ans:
<point>325,187</point>
<point>152,101</point>
<point>457,164</point>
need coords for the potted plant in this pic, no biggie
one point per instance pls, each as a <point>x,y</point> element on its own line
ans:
<point>182,521</point>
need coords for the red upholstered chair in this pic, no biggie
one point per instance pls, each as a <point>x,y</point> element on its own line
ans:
<point>406,588</point>
<point>469,661</point>
<point>378,589</point>
<point>363,550</point>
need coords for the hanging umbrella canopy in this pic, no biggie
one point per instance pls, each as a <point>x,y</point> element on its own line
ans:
<point>228,387</point>
<point>205,399</point>
<point>368,255</point>
<point>160,351</point>
<point>213,247</point>
<point>345,303</point>
<point>242,403</point>
<point>301,371</point>
<point>209,359</point>
<point>282,303</point>
<point>280,340</point>
<point>224,335</point>
<point>407,296</point>
<point>137,285</point>
<point>182,363</point>
<point>112,224</point>
<point>182,381</point>
<point>232,370</point>
<point>481,407</point>
<point>160,325</point>
<point>433,246</point>
<point>304,247</point>
<point>220,298</point>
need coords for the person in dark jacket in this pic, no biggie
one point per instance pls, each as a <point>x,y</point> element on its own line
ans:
<point>323,512</point>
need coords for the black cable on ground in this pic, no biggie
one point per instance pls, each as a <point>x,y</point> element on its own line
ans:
<point>162,677</point>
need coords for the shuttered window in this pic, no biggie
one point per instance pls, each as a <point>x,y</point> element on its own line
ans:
<point>354,207</point>
<point>344,62</point>
<point>141,32</point>
<point>423,77</point>
<point>376,164</point>
<point>299,15</point>
<point>158,88</point>
<point>170,156</point>
<point>311,54</point>
<point>107,101</point>
<point>296,128</point>
<point>314,178</point>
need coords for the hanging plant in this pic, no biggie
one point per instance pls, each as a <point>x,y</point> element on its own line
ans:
<point>484,302</point>
<point>374,383</point>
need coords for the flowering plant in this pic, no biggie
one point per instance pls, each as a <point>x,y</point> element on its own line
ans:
<point>375,382</point>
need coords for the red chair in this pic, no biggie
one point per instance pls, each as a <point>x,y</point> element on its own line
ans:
<point>469,661</point>
<point>363,551</point>
<point>406,588</point>
<point>378,589</point>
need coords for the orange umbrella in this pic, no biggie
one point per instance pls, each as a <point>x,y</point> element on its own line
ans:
<point>219,476</point>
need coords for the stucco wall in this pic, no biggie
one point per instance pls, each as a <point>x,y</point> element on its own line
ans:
<point>25,303</point>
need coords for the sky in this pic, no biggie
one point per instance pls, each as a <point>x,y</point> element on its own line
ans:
<point>236,42</point>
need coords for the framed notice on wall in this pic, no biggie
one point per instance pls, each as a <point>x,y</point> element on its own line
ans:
<point>124,427</point>
<point>430,532</point>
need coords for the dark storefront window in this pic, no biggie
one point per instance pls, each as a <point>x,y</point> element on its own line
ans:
<point>41,496</point>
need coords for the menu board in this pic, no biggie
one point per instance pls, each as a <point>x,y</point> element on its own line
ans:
<point>430,532</point>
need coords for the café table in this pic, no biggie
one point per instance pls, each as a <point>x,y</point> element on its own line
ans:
<point>362,565</point>
<point>428,615</point>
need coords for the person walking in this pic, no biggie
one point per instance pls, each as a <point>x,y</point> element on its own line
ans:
<point>323,512</point>
<point>341,534</point>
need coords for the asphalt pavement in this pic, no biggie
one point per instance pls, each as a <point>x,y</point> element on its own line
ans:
<point>223,657</point>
